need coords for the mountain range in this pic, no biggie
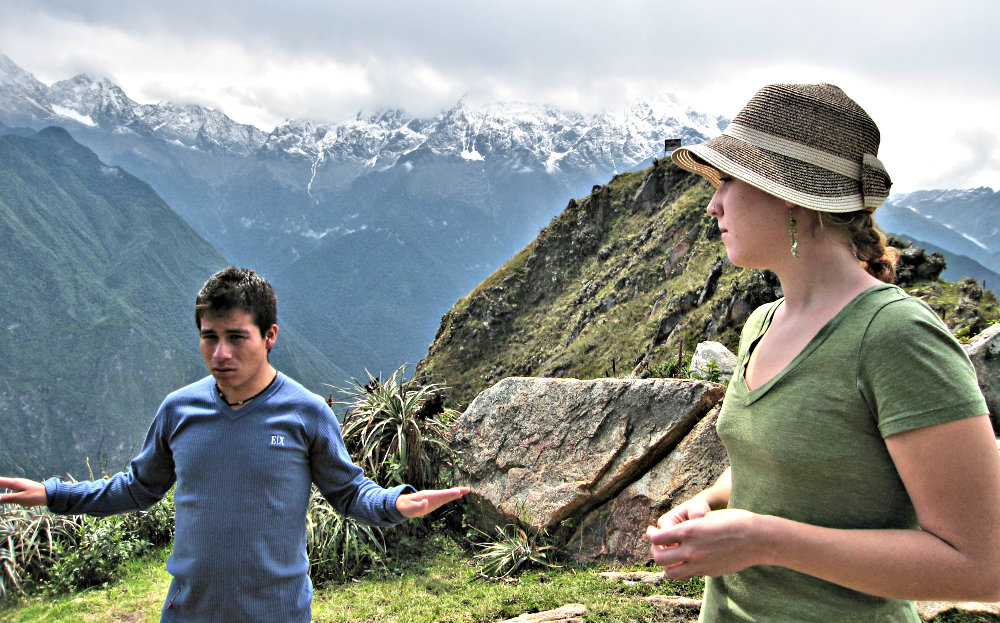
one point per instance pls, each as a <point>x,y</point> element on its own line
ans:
<point>960,224</point>
<point>370,228</point>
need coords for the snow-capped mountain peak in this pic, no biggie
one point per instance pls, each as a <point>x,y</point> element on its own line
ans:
<point>93,102</point>
<point>477,129</point>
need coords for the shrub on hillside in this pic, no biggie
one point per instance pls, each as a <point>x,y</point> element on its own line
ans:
<point>93,553</point>
<point>61,553</point>
<point>398,430</point>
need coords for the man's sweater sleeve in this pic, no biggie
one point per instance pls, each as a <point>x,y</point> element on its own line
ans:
<point>149,477</point>
<point>344,484</point>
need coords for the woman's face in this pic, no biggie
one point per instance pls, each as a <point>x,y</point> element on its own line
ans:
<point>754,224</point>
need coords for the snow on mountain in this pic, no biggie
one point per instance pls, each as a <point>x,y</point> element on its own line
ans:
<point>23,98</point>
<point>376,140</point>
<point>201,128</point>
<point>101,101</point>
<point>526,137</point>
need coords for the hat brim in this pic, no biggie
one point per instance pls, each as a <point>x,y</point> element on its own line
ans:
<point>784,177</point>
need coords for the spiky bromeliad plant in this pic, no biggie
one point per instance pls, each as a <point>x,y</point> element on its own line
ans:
<point>398,430</point>
<point>513,548</point>
<point>28,537</point>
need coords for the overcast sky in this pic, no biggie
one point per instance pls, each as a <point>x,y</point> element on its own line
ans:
<point>927,72</point>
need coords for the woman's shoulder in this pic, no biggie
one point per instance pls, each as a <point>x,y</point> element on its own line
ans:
<point>760,315</point>
<point>907,327</point>
<point>892,309</point>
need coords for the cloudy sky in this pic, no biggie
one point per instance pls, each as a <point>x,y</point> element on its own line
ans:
<point>928,72</point>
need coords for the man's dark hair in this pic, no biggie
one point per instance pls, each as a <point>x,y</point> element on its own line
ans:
<point>238,288</point>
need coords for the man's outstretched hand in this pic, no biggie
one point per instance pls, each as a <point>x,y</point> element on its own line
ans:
<point>422,502</point>
<point>22,491</point>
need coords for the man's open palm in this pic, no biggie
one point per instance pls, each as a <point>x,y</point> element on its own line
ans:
<point>422,502</point>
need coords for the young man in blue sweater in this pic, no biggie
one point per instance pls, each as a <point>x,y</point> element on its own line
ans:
<point>244,446</point>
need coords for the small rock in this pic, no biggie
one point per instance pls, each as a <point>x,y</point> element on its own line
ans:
<point>928,610</point>
<point>707,352</point>
<point>570,613</point>
<point>674,601</point>
<point>643,577</point>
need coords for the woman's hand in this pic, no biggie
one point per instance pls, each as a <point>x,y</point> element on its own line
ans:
<point>690,541</point>
<point>695,508</point>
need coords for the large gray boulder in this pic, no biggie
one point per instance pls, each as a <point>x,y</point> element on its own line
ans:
<point>984,351</point>
<point>548,451</point>
<point>615,530</point>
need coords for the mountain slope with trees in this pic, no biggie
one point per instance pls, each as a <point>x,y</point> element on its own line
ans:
<point>98,278</point>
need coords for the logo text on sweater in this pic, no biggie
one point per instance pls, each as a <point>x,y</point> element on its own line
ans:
<point>277,440</point>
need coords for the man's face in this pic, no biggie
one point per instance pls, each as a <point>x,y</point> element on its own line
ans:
<point>235,353</point>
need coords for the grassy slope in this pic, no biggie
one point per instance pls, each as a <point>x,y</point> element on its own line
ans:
<point>597,292</point>
<point>577,301</point>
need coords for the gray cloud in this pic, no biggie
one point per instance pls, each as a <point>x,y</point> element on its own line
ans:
<point>265,61</point>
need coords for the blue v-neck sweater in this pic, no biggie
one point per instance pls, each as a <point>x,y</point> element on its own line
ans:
<point>243,486</point>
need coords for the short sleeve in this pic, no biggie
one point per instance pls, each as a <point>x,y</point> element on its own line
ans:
<point>912,372</point>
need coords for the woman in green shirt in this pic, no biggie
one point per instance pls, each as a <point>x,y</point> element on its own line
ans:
<point>865,471</point>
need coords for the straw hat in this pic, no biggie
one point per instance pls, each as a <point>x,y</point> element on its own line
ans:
<point>806,143</point>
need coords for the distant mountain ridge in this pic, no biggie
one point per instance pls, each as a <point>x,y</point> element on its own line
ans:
<point>963,224</point>
<point>473,129</point>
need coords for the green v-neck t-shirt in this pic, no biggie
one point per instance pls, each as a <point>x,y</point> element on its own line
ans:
<point>809,444</point>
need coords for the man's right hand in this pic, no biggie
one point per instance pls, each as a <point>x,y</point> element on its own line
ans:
<point>23,492</point>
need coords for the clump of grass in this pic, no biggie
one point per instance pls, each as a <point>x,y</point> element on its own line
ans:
<point>28,537</point>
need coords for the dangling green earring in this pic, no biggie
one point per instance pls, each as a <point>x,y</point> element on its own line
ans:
<point>793,230</point>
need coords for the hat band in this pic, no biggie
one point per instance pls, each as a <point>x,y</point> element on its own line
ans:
<point>796,150</point>
<point>840,203</point>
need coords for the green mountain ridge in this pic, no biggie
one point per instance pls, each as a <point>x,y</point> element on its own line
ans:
<point>626,281</point>
<point>98,277</point>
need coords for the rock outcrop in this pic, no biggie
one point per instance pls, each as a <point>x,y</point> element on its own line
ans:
<point>614,531</point>
<point>984,351</point>
<point>597,461</point>
<point>549,451</point>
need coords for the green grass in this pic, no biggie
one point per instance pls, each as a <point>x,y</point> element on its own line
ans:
<point>437,582</point>
<point>434,581</point>
<point>136,598</point>
<point>445,586</point>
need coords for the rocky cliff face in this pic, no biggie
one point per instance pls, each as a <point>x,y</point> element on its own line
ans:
<point>627,280</point>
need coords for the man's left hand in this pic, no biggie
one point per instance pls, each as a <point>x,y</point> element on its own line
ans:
<point>422,502</point>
